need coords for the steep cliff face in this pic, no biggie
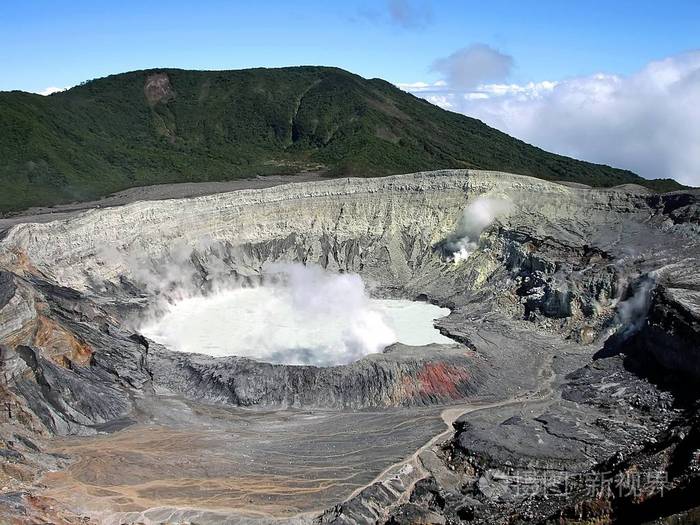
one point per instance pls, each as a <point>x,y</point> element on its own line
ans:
<point>388,230</point>
<point>339,224</point>
<point>667,344</point>
<point>347,224</point>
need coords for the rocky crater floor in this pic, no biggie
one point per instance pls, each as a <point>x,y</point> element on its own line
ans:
<point>569,393</point>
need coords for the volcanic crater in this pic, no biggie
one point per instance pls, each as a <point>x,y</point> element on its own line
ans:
<point>570,345</point>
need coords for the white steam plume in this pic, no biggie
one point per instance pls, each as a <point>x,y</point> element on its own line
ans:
<point>477,216</point>
<point>631,314</point>
<point>299,315</point>
<point>174,275</point>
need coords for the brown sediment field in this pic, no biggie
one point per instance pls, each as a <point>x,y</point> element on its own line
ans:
<point>276,464</point>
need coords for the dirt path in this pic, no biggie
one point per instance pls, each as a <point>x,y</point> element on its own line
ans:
<point>403,475</point>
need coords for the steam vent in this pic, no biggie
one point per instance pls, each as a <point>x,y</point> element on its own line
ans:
<point>433,348</point>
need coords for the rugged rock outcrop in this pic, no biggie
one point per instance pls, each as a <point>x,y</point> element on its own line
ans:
<point>402,376</point>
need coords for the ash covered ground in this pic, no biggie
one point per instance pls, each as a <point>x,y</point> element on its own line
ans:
<point>569,392</point>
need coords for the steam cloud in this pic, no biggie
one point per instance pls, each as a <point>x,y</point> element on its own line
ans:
<point>632,313</point>
<point>300,315</point>
<point>476,217</point>
<point>186,270</point>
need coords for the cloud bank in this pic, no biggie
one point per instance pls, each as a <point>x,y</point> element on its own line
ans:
<point>646,122</point>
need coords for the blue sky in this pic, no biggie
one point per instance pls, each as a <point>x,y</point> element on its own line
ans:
<point>60,43</point>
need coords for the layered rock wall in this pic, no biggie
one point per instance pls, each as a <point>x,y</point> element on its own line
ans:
<point>346,223</point>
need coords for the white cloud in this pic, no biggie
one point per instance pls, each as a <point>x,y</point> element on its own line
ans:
<point>472,65</point>
<point>415,87</point>
<point>50,90</point>
<point>646,122</point>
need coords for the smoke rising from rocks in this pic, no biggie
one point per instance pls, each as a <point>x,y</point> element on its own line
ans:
<point>632,313</point>
<point>476,217</point>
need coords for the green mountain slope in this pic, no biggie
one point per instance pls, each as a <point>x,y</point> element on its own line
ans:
<point>158,126</point>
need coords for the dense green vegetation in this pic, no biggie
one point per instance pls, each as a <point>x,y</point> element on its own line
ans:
<point>113,133</point>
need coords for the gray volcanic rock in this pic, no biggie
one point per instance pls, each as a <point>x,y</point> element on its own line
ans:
<point>65,399</point>
<point>671,334</point>
<point>409,376</point>
<point>575,322</point>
